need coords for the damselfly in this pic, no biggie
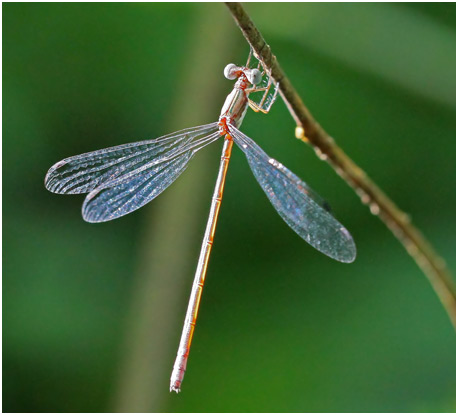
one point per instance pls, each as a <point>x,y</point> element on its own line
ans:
<point>121,179</point>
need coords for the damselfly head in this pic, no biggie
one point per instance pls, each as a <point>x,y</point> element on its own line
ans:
<point>232,71</point>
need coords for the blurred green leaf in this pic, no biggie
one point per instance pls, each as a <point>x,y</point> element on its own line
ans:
<point>282,328</point>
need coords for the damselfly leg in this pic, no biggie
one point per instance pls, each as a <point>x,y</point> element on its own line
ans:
<point>264,104</point>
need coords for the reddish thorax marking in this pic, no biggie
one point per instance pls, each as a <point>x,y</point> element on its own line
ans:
<point>223,128</point>
<point>242,82</point>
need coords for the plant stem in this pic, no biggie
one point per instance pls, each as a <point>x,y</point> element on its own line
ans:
<point>310,131</point>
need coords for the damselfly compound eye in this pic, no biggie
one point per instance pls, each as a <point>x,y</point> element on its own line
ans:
<point>230,71</point>
<point>254,76</point>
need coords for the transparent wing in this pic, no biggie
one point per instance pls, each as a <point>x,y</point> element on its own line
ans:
<point>124,178</point>
<point>86,172</point>
<point>300,207</point>
<point>106,203</point>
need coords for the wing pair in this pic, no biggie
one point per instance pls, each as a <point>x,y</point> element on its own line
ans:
<point>121,179</point>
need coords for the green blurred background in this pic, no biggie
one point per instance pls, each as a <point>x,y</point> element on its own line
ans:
<point>92,314</point>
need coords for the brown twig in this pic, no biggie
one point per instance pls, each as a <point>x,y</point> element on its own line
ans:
<point>310,131</point>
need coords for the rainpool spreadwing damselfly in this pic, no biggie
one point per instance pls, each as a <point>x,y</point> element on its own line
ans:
<point>121,179</point>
